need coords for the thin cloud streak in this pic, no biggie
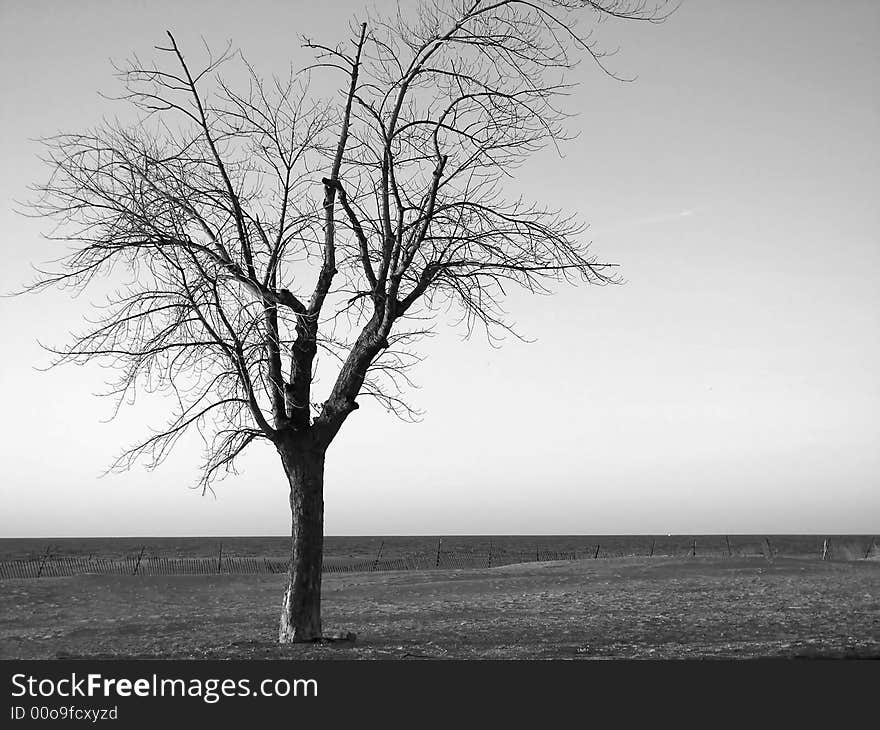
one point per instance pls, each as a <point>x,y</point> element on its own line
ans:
<point>642,222</point>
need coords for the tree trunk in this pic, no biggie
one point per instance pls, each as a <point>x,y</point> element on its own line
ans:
<point>301,608</point>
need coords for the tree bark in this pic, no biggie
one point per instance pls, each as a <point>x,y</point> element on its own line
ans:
<point>301,608</point>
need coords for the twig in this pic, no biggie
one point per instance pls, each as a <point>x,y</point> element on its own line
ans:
<point>138,564</point>
<point>378,555</point>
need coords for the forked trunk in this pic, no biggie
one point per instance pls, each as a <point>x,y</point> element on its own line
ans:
<point>301,609</point>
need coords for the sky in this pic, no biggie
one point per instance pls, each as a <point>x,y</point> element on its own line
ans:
<point>729,386</point>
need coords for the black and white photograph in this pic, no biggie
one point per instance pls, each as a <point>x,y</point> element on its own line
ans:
<point>498,331</point>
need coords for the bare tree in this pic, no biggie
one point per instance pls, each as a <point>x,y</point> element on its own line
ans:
<point>256,234</point>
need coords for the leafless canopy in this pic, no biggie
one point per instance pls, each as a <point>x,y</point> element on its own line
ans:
<point>248,227</point>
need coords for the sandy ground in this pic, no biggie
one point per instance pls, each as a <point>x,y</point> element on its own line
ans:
<point>589,609</point>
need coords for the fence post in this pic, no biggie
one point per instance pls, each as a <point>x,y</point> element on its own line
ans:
<point>43,561</point>
<point>220,560</point>
<point>596,556</point>
<point>378,555</point>
<point>769,548</point>
<point>138,564</point>
<point>537,553</point>
<point>439,543</point>
<point>870,547</point>
<point>727,540</point>
<point>825,549</point>
<point>694,548</point>
<point>652,548</point>
<point>490,553</point>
